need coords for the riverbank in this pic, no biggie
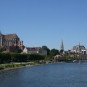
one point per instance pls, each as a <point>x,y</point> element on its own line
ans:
<point>9,66</point>
<point>16,65</point>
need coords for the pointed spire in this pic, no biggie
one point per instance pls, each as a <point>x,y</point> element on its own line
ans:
<point>61,46</point>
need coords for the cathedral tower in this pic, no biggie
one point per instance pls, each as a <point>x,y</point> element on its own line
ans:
<point>79,50</point>
<point>61,48</point>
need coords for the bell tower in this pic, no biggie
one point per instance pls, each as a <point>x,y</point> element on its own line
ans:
<point>61,48</point>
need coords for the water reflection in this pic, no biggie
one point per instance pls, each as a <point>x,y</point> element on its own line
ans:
<point>51,75</point>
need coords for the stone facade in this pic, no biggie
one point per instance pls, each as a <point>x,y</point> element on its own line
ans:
<point>9,40</point>
<point>79,49</point>
<point>34,50</point>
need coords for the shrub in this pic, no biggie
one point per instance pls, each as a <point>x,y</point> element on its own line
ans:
<point>17,57</point>
<point>1,67</point>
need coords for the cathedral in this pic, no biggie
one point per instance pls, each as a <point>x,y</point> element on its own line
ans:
<point>79,49</point>
<point>10,40</point>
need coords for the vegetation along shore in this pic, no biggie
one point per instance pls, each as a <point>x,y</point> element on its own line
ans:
<point>15,60</point>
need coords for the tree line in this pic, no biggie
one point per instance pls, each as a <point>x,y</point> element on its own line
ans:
<point>17,57</point>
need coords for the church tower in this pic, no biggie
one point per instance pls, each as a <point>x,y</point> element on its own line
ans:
<point>61,48</point>
<point>79,50</point>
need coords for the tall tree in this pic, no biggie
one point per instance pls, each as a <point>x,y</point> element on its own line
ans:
<point>46,48</point>
<point>53,52</point>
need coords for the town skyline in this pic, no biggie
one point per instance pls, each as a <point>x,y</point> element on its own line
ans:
<point>40,23</point>
<point>14,40</point>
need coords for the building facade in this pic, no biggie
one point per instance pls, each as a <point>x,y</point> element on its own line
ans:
<point>9,40</point>
<point>79,49</point>
<point>30,50</point>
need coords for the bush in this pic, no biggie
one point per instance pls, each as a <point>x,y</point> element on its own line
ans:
<point>1,67</point>
<point>5,58</point>
<point>17,57</point>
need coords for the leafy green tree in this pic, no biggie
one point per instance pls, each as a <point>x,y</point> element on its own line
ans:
<point>46,48</point>
<point>53,52</point>
<point>19,51</point>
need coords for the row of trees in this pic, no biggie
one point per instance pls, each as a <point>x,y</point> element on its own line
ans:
<point>68,56</point>
<point>17,57</point>
<point>70,59</point>
<point>51,52</point>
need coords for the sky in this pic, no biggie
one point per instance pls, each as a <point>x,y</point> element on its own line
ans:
<point>45,22</point>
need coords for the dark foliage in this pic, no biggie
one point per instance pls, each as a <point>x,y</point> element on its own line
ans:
<point>17,57</point>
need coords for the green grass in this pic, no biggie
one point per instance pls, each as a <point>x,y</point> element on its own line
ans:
<point>13,65</point>
<point>1,67</point>
<point>5,66</point>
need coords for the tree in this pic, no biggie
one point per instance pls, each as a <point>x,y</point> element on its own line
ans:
<point>1,49</point>
<point>54,52</point>
<point>19,51</point>
<point>44,47</point>
<point>47,49</point>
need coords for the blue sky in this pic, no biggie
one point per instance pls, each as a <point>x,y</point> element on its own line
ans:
<point>45,22</point>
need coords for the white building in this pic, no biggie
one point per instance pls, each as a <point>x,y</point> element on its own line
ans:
<point>79,49</point>
<point>30,50</point>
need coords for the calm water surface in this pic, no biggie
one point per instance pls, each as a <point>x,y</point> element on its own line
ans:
<point>50,75</point>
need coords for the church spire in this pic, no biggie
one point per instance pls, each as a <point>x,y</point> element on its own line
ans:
<point>62,46</point>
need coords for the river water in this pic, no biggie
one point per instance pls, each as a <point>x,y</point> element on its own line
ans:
<point>50,75</point>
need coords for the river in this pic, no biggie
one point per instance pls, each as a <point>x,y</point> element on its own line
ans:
<point>49,75</point>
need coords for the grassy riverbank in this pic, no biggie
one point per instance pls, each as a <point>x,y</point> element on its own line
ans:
<point>8,66</point>
<point>17,65</point>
